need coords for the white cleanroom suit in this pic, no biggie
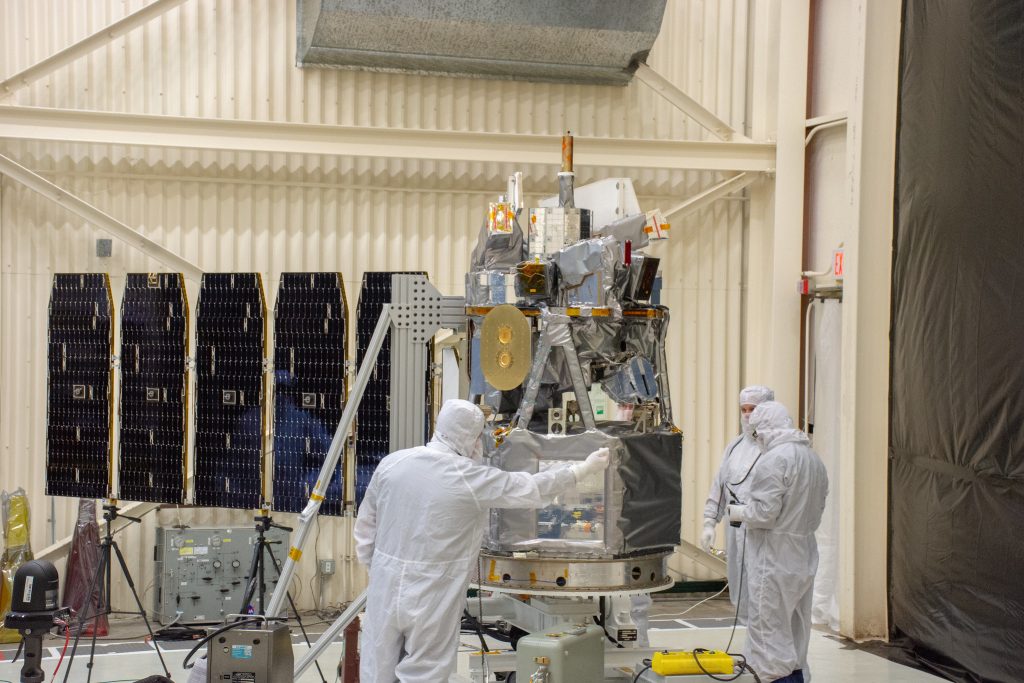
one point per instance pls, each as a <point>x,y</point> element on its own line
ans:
<point>732,482</point>
<point>419,532</point>
<point>781,512</point>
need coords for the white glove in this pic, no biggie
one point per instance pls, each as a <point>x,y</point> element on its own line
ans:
<point>707,536</point>
<point>736,512</point>
<point>595,462</point>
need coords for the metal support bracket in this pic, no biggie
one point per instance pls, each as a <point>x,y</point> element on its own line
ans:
<point>556,333</point>
<point>307,517</point>
<point>83,47</point>
<point>712,194</point>
<point>686,104</point>
<point>327,637</point>
<point>418,311</point>
<point>104,221</point>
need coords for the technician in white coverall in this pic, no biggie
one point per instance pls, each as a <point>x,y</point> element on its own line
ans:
<point>419,532</point>
<point>781,511</point>
<point>732,483</point>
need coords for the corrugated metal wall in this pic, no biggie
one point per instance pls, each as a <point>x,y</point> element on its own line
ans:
<point>235,60</point>
<point>272,213</point>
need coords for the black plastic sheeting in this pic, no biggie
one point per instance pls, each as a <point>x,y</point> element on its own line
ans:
<point>957,411</point>
<point>652,491</point>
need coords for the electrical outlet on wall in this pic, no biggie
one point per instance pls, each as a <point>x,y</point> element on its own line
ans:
<point>326,567</point>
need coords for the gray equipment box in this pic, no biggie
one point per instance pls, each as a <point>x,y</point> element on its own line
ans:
<point>202,572</point>
<point>576,654</point>
<point>251,655</point>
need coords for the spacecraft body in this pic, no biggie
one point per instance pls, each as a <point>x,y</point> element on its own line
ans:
<point>568,356</point>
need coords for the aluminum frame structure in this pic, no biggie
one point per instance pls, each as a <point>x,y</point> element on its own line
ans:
<point>416,313</point>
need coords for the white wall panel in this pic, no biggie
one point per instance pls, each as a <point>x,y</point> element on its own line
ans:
<point>272,212</point>
<point>236,59</point>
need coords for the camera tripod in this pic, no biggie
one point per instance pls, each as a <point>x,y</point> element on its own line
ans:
<point>256,588</point>
<point>102,581</point>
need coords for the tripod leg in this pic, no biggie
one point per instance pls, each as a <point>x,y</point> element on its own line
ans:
<point>82,616</point>
<point>105,601</point>
<point>298,617</point>
<point>250,586</point>
<point>138,602</point>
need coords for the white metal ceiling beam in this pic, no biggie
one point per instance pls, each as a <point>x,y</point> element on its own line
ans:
<point>67,125</point>
<point>686,104</point>
<point>85,46</point>
<point>88,212</point>
<point>712,194</point>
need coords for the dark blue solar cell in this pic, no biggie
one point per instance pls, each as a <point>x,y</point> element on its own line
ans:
<point>154,388</point>
<point>230,348</point>
<point>78,400</point>
<point>309,387</point>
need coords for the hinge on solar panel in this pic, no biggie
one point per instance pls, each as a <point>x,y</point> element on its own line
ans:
<point>190,362</point>
<point>435,369</point>
<point>268,366</point>
<point>350,368</point>
<point>115,360</point>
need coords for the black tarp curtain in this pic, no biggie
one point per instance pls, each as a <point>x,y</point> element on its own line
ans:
<point>957,404</point>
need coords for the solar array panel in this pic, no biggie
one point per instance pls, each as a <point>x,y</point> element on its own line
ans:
<point>154,388</point>
<point>229,402</point>
<point>309,387</point>
<point>79,400</point>
<point>230,348</point>
<point>373,417</point>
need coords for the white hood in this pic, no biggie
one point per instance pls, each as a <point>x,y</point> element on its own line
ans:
<point>459,426</point>
<point>754,395</point>
<point>772,426</point>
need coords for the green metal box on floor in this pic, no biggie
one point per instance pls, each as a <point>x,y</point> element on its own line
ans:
<point>575,654</point>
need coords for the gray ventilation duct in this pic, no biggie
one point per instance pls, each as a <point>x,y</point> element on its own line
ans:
<point>573,41</point>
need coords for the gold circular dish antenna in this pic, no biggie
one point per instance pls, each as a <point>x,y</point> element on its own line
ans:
<point>506,345</point>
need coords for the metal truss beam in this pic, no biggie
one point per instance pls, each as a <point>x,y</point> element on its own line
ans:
<point>686,104</point>
<point>104,221</point>
<point>265,136</point>
<point>85,46</point>
<point>712,194</point>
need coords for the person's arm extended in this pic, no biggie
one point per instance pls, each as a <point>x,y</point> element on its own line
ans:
<point>495,488</point>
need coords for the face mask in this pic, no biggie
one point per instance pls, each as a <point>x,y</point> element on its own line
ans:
<point>477,455</point>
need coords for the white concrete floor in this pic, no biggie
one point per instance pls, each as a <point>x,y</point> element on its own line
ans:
<point>832,660</point>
